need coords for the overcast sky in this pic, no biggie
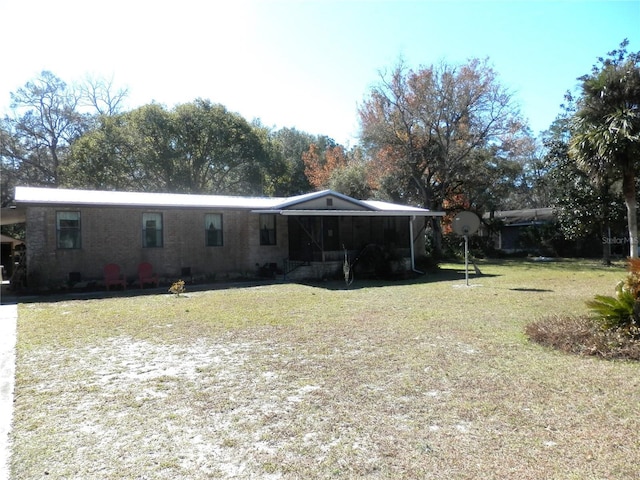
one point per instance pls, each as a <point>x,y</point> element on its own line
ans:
<point>307,64</point>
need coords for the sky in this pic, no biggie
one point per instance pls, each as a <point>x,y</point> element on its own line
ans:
<point>307,64</point>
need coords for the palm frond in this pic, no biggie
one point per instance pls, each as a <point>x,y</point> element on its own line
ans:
<point>613,312</point>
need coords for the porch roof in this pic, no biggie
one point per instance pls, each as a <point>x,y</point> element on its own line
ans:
<point>355,213</point>
<point>308,205</point>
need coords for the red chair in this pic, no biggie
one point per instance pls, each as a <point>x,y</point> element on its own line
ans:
<point>112,276</point>
<point>146,275</point>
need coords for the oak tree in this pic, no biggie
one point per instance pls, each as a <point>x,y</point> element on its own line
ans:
<point>423,128</point>
<point>319,164</point>
<point>197,147</point>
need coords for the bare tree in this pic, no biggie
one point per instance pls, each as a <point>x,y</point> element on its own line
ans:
<point>45,122</point>
<point>101,94</point>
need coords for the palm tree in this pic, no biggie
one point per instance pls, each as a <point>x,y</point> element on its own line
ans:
<point>606,128</point>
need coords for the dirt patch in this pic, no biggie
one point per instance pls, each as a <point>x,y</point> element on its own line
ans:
<point>207,387</point>
<point>299,382</point>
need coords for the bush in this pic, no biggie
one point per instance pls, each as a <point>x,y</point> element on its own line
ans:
<point>583,336</point>
<point>177,288</point>
<point>621,312</point>
<point>613,332</point>
<point>614,312</point>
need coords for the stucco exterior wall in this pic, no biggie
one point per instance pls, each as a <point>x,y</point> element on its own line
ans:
<point>114,235</point>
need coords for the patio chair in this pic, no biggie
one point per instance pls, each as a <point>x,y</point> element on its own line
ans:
<point>146,275</point>
<point>113,277</point>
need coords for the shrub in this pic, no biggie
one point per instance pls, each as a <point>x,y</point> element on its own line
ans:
<point>583,336</point>
<point>614,312</point>
<point>621,312</point>
<point>177,288</point>
<point>613,332</point>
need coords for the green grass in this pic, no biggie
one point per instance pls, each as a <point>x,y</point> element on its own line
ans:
<point>414,379</point>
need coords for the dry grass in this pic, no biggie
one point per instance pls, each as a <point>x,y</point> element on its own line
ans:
<point>584,336</point>
<point>426,379</point>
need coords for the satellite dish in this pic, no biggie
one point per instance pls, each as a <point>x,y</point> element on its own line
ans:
<point>466,223</point>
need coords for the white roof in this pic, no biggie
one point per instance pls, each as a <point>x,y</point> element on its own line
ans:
<point>59,196</point>
<point>386,206</point>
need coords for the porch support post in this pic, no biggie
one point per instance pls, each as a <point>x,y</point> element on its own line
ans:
<point>411,246</point>
<point>322,237</point>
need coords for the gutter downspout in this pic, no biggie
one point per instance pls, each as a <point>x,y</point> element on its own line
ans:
<point>413,254</point>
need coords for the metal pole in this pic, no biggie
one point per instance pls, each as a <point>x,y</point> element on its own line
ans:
<point>466,259</point>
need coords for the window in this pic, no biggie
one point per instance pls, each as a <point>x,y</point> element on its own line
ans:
<point>267,229</point>
<point>213,229</point>
<point>68,229</point>
<point>152,230</point>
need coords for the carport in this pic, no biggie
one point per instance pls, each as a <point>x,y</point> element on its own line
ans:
<point>8,245</point>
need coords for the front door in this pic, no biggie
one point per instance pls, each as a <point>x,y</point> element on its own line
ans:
<point>310,236</point>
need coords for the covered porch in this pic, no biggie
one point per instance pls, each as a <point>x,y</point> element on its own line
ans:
<point>326,228</point>
<point>373,245</point>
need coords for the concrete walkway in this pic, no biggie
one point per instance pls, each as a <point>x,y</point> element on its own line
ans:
<point>8,324</point>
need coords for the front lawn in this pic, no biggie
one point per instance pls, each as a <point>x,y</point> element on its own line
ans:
<point>426,379</point>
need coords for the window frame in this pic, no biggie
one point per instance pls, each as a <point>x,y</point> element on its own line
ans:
<point>218,232</point>
<point>158,236</point>
<point>74,233</point>
<point>268,236</point>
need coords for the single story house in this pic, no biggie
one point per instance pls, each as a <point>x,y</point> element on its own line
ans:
<point>512,224</point>
<point>75,233</point>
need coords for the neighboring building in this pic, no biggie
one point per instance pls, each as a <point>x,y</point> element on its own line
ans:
<point>74,233</point>
<point>513,223</point>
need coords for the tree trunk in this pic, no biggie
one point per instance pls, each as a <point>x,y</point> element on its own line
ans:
<point>606,225</point>
<point>436,227</point>
<point>632,221</point>
<point>428,203</point>
<point>629,191</point>
<point>606,246</point>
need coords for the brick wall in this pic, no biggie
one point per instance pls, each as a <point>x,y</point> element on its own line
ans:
<point>114,235</point>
